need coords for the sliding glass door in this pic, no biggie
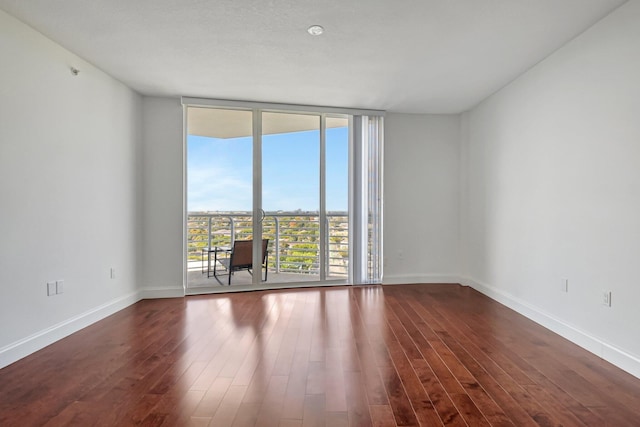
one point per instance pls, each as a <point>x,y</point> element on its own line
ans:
<point>305,193</point>
<point>268,177</point>
<point>291,194</point>
<point>220,208</point>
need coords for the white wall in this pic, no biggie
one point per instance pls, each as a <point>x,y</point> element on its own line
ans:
<point>421,198</point>
<point>554,190</point>
<point>162,217</point>
<point>69,162</point>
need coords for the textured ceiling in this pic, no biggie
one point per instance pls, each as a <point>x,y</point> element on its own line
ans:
<point>420,56</point>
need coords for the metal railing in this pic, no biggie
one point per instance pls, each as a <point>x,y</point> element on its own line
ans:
<point>294,239</point>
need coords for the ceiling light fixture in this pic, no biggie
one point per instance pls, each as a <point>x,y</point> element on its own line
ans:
<point>315,30</point>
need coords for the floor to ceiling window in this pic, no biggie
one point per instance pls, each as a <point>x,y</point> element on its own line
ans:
<point>292,188</point>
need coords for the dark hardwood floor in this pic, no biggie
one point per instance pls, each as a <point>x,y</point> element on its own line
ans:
<point>404,355</point>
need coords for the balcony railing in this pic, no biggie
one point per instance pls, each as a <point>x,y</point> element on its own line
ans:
<point>294,239</point>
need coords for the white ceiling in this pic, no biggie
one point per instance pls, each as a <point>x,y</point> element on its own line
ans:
<point>419,56</point>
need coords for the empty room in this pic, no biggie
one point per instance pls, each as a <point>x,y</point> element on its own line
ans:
<point>338,213</point>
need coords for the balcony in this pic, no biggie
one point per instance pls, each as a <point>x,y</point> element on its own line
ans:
<point>294,245</point>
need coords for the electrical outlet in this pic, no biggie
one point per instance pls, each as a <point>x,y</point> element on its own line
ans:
<point>606,298</point>
<point>51,288</point>
<point>112,273</point>
<point>564,285</point>
<point>59,286</point>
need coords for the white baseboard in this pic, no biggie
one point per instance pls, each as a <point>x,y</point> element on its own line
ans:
<point>24,347</point>
<point>404,279</point>
<point>611,354</point>
<point>153,293</point>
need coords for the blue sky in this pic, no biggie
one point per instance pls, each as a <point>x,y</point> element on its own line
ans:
<point>219,172</point>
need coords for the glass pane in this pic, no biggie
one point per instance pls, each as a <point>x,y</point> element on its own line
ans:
<point>291,195</point>
<point>219,191</point>
<point>337,197</point>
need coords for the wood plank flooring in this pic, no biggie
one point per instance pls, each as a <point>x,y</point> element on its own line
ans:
<point>405,355</point>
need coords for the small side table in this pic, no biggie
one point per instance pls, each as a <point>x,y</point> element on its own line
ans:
<point>215,250</point>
